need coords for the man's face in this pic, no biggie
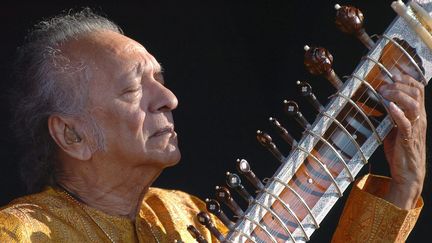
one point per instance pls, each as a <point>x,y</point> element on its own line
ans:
<point>129,101</point>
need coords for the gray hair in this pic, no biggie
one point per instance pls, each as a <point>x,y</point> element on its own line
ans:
<point>49,83</point>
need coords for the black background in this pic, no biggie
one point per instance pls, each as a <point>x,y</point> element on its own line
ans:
<point>230,63</point>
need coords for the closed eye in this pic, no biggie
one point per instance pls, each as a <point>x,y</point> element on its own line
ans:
<point>133,91</point>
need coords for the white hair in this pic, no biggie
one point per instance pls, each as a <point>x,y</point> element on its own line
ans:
<point>49,83</point>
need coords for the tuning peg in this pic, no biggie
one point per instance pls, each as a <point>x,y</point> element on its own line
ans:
<point>292,109</point>
<point>244,168</point>
<point>204,219</point>
<point>224,195</point>
<point>350,20</point>
<point>283,132</point>
<point>306,91</point>
<point>267,142</point>
<point>234,182</point>
<point>196,234</point>
<point>319,61</point>
<point>213,207</point>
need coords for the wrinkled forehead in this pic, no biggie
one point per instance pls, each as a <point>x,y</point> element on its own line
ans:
<point>134,56</point>
<point>109,52</point>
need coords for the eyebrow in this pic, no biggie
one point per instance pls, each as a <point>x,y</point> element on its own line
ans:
<point>137,68</point>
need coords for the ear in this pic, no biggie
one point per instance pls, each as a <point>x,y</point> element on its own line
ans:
<point>66,134</point>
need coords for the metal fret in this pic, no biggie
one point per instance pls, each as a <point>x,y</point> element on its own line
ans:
<point>363,114</point>
<point>245,235</point>
<point>381,66</point>
<point>261,227</point>
<point>333,148</point>
<point>374,129</point>
<point>277,217</point>
<point>369,86</point>
<point>323,167</point>
<point>352,139</point>
<point>289,211</point>
<point>299,197</point>
<point>423,79</point>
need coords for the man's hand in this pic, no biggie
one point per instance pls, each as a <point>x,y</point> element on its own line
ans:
<point>405,146</point>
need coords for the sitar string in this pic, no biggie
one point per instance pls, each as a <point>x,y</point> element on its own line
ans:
<point>332,162</point>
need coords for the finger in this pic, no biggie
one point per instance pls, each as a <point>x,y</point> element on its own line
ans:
<point>410,106</point>
<point>409,90</point>
<point>402,122</point>
<point>410,81</point>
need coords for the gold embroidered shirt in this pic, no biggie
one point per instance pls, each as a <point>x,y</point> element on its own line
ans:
<point>50,216</point>
<point>53,216</point>
<point>369,218</point>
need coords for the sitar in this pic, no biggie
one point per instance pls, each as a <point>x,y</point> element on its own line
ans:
<point>290,205</point>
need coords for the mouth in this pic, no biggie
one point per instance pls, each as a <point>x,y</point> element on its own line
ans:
<point>163,131</point>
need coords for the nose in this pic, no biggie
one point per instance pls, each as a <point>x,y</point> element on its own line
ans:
<point>163,99</point>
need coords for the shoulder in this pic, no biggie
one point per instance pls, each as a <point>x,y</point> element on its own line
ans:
<point>175,197</point>
<point>180,203</point>
<point>22,207</point>
<point>26,215</point>
<point>33,204</point>
<point>12,228</point>
<point>169,193</point>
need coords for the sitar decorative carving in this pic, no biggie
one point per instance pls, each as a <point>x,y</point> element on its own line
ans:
<point>290,205</point>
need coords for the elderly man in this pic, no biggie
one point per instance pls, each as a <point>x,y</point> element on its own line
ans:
<point>96,120</point>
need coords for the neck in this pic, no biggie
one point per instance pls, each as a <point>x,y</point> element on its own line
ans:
<point>115,191</point>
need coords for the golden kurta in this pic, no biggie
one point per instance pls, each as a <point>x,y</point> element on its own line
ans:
<point>369,218</point>
<point>54,216</point>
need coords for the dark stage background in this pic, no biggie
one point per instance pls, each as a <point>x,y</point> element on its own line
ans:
<point>230,63</point>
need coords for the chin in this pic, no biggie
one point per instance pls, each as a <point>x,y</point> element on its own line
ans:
<point>163,154</point>
<point>164,158</point>
<point>173,158</point>
<point>173,154</point>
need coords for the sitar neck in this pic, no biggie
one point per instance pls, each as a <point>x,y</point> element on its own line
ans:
<point>337,145</point>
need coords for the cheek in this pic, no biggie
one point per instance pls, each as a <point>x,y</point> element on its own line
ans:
<point>124,123</point>
<point>135,124</point>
